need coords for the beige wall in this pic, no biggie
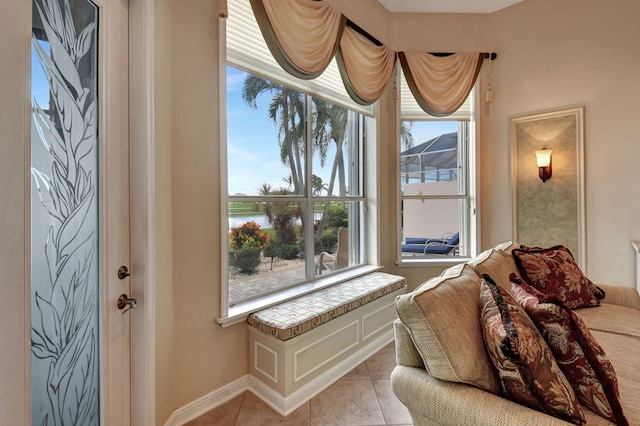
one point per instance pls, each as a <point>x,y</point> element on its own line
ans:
<point>551,55</point>
<point>194,355</point>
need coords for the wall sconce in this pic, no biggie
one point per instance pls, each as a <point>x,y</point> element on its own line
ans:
<point>543,158</point>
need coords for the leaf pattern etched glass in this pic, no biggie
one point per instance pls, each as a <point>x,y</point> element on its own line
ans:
<point>64,214</point>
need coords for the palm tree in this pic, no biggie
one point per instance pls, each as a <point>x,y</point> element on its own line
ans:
<point>331,125</point>
<point>318,185</point>
<point>286,111</point>
<point>406,137</point>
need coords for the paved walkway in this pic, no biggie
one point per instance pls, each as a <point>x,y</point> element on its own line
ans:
<point>282,274</point>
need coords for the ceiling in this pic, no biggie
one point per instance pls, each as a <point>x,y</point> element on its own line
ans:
<point>446,6</point>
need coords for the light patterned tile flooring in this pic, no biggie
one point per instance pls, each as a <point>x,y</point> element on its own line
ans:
<point>362,397</point>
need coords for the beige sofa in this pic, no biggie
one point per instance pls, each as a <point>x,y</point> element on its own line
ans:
<point>442,365</point>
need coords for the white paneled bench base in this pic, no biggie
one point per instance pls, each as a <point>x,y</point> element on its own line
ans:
<point>300,347</point>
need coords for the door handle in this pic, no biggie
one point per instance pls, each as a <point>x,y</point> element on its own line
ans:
<point>125,302</point>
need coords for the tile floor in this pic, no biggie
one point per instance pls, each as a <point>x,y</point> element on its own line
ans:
<point>362,397</point>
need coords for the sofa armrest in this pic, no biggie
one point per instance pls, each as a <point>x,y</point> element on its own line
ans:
<point>406,352</point>
<point>620,295</point>
<point>433,401</point>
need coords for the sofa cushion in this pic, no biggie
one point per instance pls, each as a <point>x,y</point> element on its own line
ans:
<point>613,319</point>
<point>622,352</point>
<point>526,367</point>
<point>498,264</point>
<point>578,354</point>
<point>442,318</point>
<point>554,272</point>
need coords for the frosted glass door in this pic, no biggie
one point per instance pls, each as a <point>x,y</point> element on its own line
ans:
<point>65,354</point>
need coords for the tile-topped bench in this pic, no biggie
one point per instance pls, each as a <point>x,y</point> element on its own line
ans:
<point>300,347</point>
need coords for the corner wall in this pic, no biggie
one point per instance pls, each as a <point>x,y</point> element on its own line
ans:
<point>553,55</point>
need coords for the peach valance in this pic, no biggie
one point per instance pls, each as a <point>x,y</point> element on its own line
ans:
<point>304,36</point>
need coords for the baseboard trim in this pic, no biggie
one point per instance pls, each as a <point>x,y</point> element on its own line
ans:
<point>286,406</point>
<point>208,402</point>
<point>273,399</point>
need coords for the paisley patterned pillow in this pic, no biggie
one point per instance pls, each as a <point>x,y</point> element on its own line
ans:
<point>577,352</point>
<point>554,272</point>
<point>597,291</point>
<point>526,367</point>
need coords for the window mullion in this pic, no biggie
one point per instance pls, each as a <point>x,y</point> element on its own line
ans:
<point>309,246</point>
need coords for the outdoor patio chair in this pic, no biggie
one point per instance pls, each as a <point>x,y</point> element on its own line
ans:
<point>339,259</point>
<point>422,240</point>
<point>448,246</point>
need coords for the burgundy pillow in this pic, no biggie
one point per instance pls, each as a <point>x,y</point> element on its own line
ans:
<point>525,365</point>
<point>577,352</point>
<point>554,272</point>
<point>597,291</point>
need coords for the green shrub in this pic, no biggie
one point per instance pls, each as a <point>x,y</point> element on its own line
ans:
<point>288,251</point>
<point>248,259</point>
<point>317,246</point>
<point>271,249</point>
<point>328,241</point>
<point>337,217</point>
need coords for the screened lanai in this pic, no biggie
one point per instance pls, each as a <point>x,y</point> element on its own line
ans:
<point>435,160</point>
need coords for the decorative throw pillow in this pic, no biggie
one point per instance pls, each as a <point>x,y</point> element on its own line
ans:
<point>597,291</point>
<point>554,272</point>
<point>526,368</point>
<point>578,354</point>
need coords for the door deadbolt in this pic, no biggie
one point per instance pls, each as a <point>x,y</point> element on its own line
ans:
<point>125,302</point>
<point>123,272</point>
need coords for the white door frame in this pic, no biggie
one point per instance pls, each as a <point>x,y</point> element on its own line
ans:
<point>142,184</point>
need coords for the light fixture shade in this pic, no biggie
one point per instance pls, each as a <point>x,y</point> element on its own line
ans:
<point>543,157</point>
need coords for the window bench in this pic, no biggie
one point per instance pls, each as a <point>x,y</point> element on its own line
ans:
<point>300,347</point>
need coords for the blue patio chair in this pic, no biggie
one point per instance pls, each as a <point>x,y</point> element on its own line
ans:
<point>434,246</point>
<point>423,241</point>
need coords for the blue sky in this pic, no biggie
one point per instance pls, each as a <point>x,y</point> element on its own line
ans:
<point>252,154</point>
<point>39,84</point>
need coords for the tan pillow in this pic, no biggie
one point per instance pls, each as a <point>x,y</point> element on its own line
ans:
<point>498,264</point>
<point>442,317</point>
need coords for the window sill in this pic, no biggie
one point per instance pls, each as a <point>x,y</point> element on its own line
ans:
<point>239,312</point>
<point>422,262</point>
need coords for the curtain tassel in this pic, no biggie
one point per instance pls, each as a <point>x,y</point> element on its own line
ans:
<point>223,11</point>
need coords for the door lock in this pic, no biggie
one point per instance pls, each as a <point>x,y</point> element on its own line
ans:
<point>125,302</point>
<point>123,272</point>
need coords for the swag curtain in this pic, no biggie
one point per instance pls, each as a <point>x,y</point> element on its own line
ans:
<point>440,84</point>
<point>304,35</point>
<point>365,67</point>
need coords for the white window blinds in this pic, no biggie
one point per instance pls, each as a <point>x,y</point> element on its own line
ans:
<point>410,110</point>
<point>247,50</point>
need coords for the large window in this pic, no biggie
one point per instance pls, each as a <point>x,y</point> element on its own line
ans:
<point>295,187</point>
<point>437,184</point>
<point>293,175</point>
